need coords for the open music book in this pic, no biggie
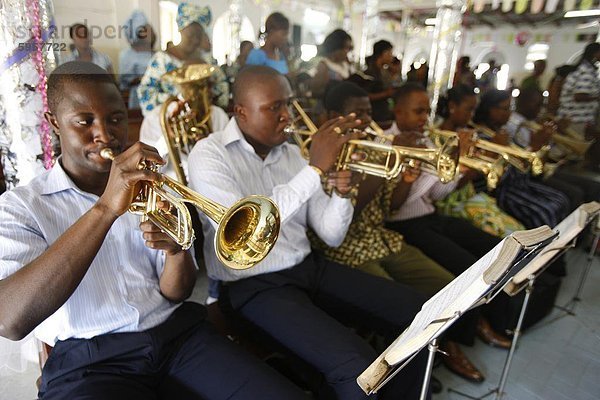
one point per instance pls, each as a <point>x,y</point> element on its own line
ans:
<point>568,230</point>
<point>482,280</point>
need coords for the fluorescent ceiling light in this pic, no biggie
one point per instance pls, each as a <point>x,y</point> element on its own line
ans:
<point>430,21</point>
<point>582,13</point>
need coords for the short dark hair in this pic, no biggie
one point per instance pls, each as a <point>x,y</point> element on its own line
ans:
<point>589,51</point>
<point>490,99</point>
<point>246,77</point>
<point>276,21</point>
<point>455,95</point>
<point>380,47</point>
<point>528,95</point>
<point>406,90</point>
<point>73,29</point>
<point>74,71</point>
<point>337,95</point>
<point>335,41</point>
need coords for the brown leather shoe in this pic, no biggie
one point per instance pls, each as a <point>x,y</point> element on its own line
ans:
<point>457,362</point>
<point>491,337</point>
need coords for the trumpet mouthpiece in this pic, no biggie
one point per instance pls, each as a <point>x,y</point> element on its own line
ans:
<point>107,154</point>
<point>288,130</point>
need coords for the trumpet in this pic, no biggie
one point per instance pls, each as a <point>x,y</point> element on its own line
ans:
<point>491,169</point>
<point>246,233</point>
<point>523,160</point>
<point>576,146</point>
<point>383,160</point>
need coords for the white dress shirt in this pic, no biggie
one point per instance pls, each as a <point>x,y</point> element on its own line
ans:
<point>224,167</point>
<point>424,192</point>
<point>151,133</point>
<point>120,291</point>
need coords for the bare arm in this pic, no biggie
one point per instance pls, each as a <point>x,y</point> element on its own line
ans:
<point>319,81</point>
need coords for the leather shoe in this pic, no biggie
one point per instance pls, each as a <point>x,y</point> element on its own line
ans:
<point>489,336</point>
<point>457,362</point>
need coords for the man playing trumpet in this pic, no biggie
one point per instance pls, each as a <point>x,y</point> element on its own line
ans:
<point>101,288</point>
<point>296,296</point>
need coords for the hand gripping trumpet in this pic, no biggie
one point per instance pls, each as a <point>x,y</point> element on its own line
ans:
<point>523,160</point>
<point>491,169</point>
<point>576,146</point>
<point>246,231</point>
<point>383,160</point>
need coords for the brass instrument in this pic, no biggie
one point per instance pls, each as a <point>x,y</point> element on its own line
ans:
<point>183,130</point>
<point>491,169</point>
<point>388,161</point>
<point>246,231</point>
<point>577,146</point>
<point>523,160</point>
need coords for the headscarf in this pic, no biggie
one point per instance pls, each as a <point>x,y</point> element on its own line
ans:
<point>189,13</point>
<point>136,20</point>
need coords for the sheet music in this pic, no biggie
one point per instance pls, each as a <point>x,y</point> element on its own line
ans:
<point>568,229</point>
<point>457,296</point>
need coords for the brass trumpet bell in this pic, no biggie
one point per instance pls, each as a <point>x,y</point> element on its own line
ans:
<point>246,233</point>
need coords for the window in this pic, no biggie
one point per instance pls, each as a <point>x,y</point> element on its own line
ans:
<point>168,24</point>
<point>537,51</point>
<point>222,41</point>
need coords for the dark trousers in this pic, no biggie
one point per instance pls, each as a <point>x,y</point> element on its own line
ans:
<point>305,307</point>
<point>455,244</point>
<point>183,358</point>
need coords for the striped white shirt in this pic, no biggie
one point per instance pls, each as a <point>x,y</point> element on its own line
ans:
<point>224,167</point>
<point>151,133</point>
<point>120,291</point>
<point>583,80</point>
<point>424,192</point>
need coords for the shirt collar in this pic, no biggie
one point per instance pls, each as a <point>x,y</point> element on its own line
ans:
<point>233,134</point>
<point>59,181</point>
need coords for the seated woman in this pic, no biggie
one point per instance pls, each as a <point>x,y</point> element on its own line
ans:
<point>332,63</point>
<point>192,22</point>
<point>82,49</point>
<point>531,202</point>
<point>271,54</point>
<point>457,109</point>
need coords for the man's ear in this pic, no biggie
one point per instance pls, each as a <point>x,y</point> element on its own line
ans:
<point>239,112</point>
<point>52,121</point>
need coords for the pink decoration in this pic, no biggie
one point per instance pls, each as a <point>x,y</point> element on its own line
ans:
<point>36,28</point>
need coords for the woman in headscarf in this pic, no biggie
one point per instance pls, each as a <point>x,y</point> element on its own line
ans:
<point>193,23</point>
<point>134,60</point>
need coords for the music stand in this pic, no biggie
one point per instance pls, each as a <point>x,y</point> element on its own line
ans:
<point>570,306</point>
<point>525,256</point>
<point>499,390</point>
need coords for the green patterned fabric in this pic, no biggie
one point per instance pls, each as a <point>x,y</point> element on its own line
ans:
<point>480,209</point>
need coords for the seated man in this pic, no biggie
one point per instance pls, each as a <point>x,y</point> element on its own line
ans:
<point>151,133</point>
<point>294,295</point>
<point>101,288</point>
<point>370,247</point>
<point>520,129</point>
<point>452,242</point>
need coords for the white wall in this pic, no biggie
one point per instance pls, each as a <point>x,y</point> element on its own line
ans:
<point>562,42</point>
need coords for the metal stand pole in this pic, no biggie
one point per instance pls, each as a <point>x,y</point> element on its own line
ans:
<point>516,336</point>
<point>433,348</point>
<point>569,308</point>
<point>513,347</point>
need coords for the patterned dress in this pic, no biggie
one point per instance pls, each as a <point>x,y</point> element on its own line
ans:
<point>152,91</point>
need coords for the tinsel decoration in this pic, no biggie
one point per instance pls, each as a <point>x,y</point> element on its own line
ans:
<point>26,56</point>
